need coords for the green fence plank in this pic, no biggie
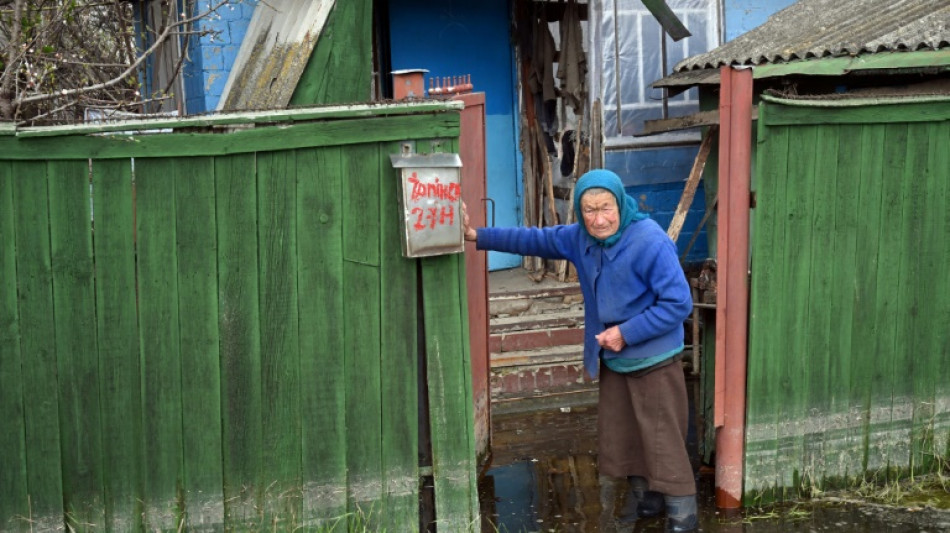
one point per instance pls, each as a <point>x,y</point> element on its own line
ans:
<point>940,226</point>
<point>882,423</point>
<point>160,335</point>
<point>913,360</point>
<point>118,340</point>
<point>14,504</point>
<point>766,331</point>
<point>74,313</point>
<point>361,205</point>
<point>202,489</point>
<point>798,253</point>
<point>239,329</point>
<point>815,383</point>
<point>340,68</point>
<point>398,360</point>
<point>466,377</point>
<point>280,356</point>
<point>332,133</point>
<point>466,370</point>
<point>453,455</point>
<point>322,356</point>
<point>849,217</point>
<point>37,345</point>
<point>863,330</point>
<point>361,324</point>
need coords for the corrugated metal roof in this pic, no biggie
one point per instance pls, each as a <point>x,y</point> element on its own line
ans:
<point>274,53</point>
<point>826,28</point>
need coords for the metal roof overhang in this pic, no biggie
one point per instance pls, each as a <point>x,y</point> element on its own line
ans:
<point>830,66</point>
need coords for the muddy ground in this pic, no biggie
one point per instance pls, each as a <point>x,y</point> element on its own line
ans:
<point>543,477</point>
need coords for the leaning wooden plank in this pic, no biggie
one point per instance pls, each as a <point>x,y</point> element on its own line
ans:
<point>280,361</point>
<point>279,40</point>
<point>398,357</point>
<point>667,18</point>
<point>118,334</point>
<point>263,138</point>
<point>341,65</point>
<point>322,356</point>
<point>37,346</point>
<point>202,489</point>
<point>361,332</point>
<point>159,339</point>
<point>239,330</point>
<point>74,312</point>
<point>692,183</point>
<point>14,506</point>
<point>453,459</point>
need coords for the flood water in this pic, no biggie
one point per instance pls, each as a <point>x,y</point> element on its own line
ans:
<point>543,477</point>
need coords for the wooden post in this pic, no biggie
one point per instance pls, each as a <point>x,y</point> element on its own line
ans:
<point>732,309</point>
<point>692,183</point>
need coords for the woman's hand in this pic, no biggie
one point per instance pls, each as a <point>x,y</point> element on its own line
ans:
<point>468,231</point>
<point>611,339</point>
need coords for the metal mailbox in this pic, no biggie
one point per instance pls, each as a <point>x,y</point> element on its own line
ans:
<point>430,201</point>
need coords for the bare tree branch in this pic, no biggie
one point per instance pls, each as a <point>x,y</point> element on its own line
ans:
<point>166,33</point>
<point>57,57</point>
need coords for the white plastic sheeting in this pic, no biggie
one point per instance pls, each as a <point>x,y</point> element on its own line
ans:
<point>626,48</point>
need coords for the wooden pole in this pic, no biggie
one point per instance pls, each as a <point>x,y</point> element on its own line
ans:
<point>692,183</point>
<point>732,306</point>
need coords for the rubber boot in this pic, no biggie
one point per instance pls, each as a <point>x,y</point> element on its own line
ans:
<point>681,514</point>
<point>631,505</point>
<point>611,491</point>
<point>651,504</point>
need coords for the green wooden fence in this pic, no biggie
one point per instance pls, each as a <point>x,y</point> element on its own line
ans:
<point>849,370</point>
<point>215,328</point>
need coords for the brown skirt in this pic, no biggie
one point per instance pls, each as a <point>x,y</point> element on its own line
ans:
<point>641,428</point>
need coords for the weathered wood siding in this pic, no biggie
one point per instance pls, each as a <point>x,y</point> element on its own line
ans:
<point>849,370</point>
<point>219,330</point>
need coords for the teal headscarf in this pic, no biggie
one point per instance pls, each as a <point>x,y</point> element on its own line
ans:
<point>605,179</point>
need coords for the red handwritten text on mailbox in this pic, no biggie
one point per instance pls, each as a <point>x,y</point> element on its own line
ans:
<point>430,217</point>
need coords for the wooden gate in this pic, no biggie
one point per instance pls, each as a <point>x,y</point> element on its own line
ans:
<point>214,327</point>
<point>849,371</point>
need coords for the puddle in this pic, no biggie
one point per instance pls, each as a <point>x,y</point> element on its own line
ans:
<point>543,478</point>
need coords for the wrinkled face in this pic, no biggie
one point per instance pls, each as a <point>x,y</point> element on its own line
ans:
<point>600,212</point>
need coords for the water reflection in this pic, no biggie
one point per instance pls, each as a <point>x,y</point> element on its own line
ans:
<point>543,478</point>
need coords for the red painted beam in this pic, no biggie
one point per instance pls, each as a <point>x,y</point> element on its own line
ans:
<point>732,311</point>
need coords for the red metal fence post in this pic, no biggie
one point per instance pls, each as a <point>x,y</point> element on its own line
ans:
<point>732,313</point>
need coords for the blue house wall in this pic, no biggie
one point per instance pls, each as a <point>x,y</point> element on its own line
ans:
<point>656,179</point>
<point>213,55</point>
<point>455,38</point>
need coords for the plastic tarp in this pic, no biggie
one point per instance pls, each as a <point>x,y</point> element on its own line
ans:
<point>627,56</point>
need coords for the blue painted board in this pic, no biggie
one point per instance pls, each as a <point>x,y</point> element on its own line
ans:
<point>453,38</point>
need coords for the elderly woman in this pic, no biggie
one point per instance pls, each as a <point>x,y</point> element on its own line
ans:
<point>635,301</point>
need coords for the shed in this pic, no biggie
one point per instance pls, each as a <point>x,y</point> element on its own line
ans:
<point>844,376</point>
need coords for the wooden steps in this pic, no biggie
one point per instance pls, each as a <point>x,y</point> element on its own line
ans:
<point>536,339</point>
